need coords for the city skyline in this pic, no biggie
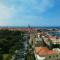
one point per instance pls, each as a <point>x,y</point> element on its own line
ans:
<point>30,12</point>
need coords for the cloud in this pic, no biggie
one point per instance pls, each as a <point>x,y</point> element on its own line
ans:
<point>5,12</point>
<point>3,23</point>
<point>39,6</point>
<point>13,8</point>
<point>28,18</point>
<point>30,8</point>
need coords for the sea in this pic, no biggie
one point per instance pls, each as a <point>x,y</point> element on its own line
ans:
<point>55,33</point>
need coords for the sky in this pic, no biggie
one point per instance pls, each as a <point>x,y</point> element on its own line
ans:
<point>30,12</point>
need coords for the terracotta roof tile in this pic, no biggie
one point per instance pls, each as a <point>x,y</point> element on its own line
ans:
<point>43,51</point>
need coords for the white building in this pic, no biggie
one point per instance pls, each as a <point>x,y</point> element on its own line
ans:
<point>39,58</point>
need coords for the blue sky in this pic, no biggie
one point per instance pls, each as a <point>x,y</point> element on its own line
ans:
<point>30,12</point>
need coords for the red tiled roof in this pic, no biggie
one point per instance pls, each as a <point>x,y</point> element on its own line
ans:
<point>43,51</point>
<point>51,36</point>
<point>51,52</point>
<point>19,29</point>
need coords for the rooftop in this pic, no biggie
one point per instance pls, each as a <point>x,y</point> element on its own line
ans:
<point>44,51</point>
